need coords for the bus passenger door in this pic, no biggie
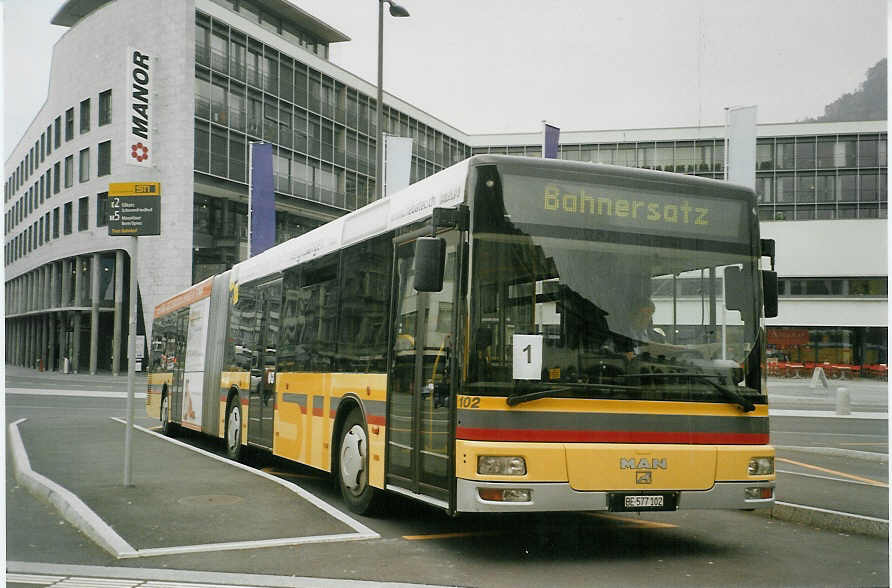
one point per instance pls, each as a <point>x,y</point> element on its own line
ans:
<point>419,446</point>
<point>262,398</point>
<point>178,363</point>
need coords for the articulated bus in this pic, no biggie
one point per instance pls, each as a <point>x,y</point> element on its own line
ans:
<point>476,342</point>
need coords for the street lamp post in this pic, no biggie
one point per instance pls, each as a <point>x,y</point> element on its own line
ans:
<point>395,10</point>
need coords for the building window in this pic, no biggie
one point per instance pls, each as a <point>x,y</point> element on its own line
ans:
<point>56,223</point>
<point>69,124</point>
<point>202,146</point>
<point>219,155</point>
<point>57,131</point>
<point>66,219</point>
<point>219,54</point>
<point>104,159</point>
<point>201,42</point>
<point>56,177</point>
<point>85,115</point>
<point>102,209</point>
<point>83,213</point>
<point>867,152</point>
<point>49,139</point>
<point>69,171</point>
<point>105,107</point>
<point>84,165</point>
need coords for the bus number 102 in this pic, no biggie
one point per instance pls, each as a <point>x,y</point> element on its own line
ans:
<point>468,402</point>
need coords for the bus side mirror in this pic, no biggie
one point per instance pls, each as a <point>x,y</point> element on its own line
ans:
<point>769,290</point>
<point>735,289</point>
<point>430,261</point>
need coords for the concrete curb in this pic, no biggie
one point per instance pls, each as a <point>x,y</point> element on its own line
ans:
<point>72,508</point>
<point>828,519</point>
<point>837,452</point>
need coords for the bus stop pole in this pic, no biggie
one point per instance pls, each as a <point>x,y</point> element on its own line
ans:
<point>131,368</point>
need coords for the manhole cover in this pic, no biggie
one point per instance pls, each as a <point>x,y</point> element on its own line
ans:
<point>210,499</point>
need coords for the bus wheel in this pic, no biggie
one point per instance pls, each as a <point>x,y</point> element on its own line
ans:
<point>234,429</point>
<point>353,465</point>
<point>166,425</point>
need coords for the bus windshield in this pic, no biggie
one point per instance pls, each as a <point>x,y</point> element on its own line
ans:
<point>613,311</point>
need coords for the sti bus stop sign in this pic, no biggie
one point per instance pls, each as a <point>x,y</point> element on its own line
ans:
<point>134,209</point>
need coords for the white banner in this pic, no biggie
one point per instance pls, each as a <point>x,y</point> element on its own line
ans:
<point>397,163</point>
<point>741,137</point>
<point>139,108</point>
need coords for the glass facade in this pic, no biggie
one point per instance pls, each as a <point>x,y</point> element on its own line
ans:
<point>323,135</point>
<point>797,178</point>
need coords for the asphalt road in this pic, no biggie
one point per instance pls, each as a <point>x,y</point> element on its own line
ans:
<point>417,544</point>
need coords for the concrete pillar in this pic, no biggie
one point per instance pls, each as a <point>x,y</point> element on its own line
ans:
<point>94,315</point>
<point>76,342</point>
<point>29,343</point>
<point>62,320</point>
<point>77,282</point>
<point>65,294</point>
<point>25,342</point>
<point>119,301</point>
<point>44,340</point>
<point>53,282</point>
<point>46,286</point>
<point>17,336</point>
<point>51,346</point>
<point>32,338</point>
<point>15,342</point>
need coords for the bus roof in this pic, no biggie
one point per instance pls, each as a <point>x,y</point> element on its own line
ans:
<point>446,188</point>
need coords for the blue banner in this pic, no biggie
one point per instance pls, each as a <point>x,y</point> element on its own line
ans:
<point>261,199</point>
<point>550,139</point>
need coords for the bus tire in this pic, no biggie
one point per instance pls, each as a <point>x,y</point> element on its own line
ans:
<point>353,465</point>
<point>167,427</point>
<point>233,435</point>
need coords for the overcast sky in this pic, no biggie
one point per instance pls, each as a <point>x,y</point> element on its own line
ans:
<point>504,65</point>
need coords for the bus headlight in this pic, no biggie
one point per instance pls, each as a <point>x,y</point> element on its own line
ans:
<point>760,466</point>
<point>496,465</point>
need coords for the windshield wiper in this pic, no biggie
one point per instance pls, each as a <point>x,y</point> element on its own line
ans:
<point>527,396</point>
<point>727,391</point>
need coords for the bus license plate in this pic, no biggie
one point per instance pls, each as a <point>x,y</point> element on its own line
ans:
<point>643,502</point>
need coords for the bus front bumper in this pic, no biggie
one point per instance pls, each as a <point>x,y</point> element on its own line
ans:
<point>559,496</point>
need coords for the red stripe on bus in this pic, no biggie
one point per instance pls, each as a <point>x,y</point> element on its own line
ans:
<point>557,436</point>
<point>376,420</point>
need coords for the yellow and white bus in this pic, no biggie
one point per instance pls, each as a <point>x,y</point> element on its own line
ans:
<point>476,342</point>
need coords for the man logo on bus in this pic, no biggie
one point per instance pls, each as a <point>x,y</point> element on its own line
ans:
<point>656,463</point>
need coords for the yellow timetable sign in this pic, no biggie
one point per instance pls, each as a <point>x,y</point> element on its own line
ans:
<point>134,189</point>
<point>134,209</point>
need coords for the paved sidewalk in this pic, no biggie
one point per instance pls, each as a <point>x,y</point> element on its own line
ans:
<point>184,500</point>
<point>17,376</point>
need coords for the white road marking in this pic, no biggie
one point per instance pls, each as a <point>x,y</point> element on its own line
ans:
<point>49,573</point>
<point>828,434</point>
<point>83,393</point>
<point>834,512</point>
<point>362,532</point>
<point>804,475</point>
<point>82,517</point>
